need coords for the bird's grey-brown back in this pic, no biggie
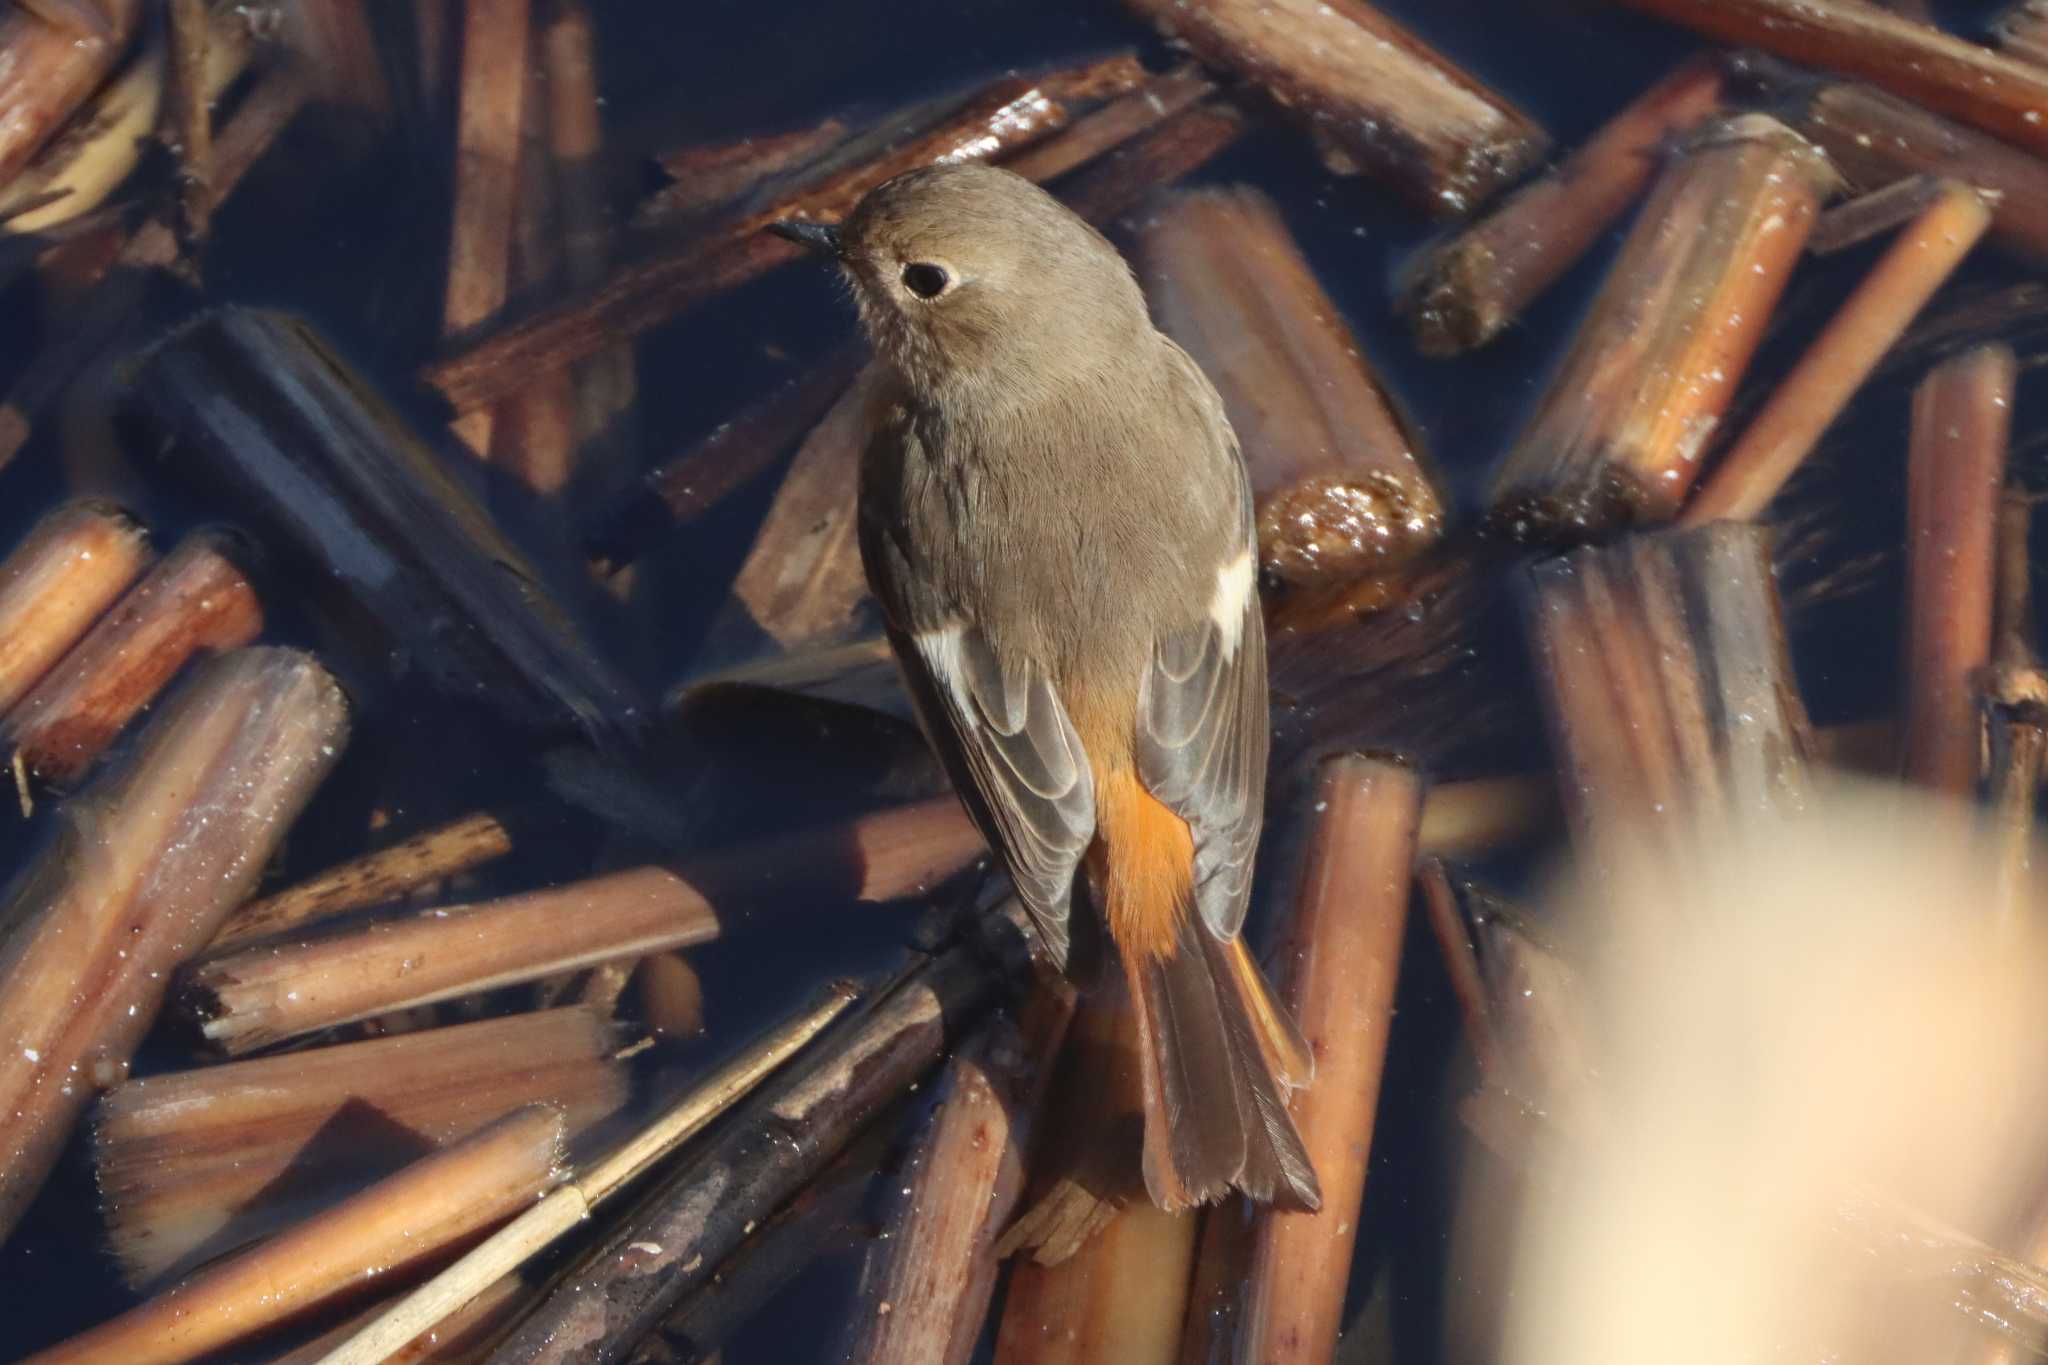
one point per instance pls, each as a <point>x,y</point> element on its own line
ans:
<point>1048,464</point>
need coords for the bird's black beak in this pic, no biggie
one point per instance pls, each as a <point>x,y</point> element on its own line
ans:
<point>820,238</point>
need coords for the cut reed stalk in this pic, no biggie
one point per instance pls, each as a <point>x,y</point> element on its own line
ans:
<point>152,860</point>
<point>197,602</point>
<point>928,1282</point>
<point>374,879</point>
<point>1375,98</point>
<point>1619,433</point>
<point>1809,398</point>
<point>185,123</point>
<point>266,993</point>
<point>1338,479</point>
<point>395,1230</point>
<point>687,1227</point>
<point>1342,955</point>
<point>74,565</point>
<point>573,1202</point>
<point>1463,291</point>
<point>1962,414</point>
<point>194,1163</point>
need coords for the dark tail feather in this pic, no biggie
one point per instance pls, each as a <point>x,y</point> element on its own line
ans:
<point>1215,1109</point>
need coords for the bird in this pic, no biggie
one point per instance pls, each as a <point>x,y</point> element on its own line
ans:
<point>1054,516</point>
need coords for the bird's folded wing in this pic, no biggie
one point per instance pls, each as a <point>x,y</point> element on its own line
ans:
<point>1016,759</point>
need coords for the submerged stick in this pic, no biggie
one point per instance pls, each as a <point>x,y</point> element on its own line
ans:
<point>152,860</point>
<point>647,292</point>
<point>780,1141</point>
<point>1376,99</point>
<point>193,1163</point>
<point>578,1196</point>
<point>927,1284</point>
<point>374,879</point>
<point>197,602</point>
<point>256,409</point>
<point>1983,88</point>
<point>1342,955</point>
<point>185,123</point>
<point>2015,697</point>
<point>75,564</point>
<point>395,1228</point>
<point>1118,1300</point>
<point>1619,432</point>
<point>266,993</point>
<point>1463,292</point>
<point>2022,31</point>
<point>1962,414</point>
<point>1338,481</point>
<point>1842,357</point>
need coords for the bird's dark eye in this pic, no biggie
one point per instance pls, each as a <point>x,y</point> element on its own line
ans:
<point>925,280</point>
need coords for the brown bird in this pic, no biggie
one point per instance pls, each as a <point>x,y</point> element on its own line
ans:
<point>1056,520</point>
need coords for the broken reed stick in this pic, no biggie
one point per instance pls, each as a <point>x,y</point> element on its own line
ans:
<point>185,122</point>
<point>266,993</point>
<point>1341,956</point>
<point>1375,98</point>
<point>926,1288</point>
<point>671,996</point>
<point>1966,81</point>
<point>255,409</point>
<point>1668,684</point>
<point>574,1200</point>
<point>648,291</point>
<point>1808,399</point>
<point>94,154</point>
<point>193,1163</point>
<point>74,564</point>
<point>152,859</point>
<point>1461,963</point>
<point>393,1230</point>
<point>1618,434</point>
<point>1876,139</point>
<point>1338,480</point>
<point>2014,692</point>
<point>464,1336</point>
<point>338,43</point>
<point>1118,1300</point>
<point>1962,415</point>
<point>1160,98</point>
<point>1482,814</point>
<point>2021,31</point>
<point>686,1227</point>
<point>47,72</point>
<point>462,845</point>
<point>706,178</point>
<point>496,58</point>
<point>801,583</point>
<point>262,115</point>
<point>197,602</point>
<point>1463,291</point>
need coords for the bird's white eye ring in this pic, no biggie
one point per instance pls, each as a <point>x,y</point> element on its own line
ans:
<point>926,280</point>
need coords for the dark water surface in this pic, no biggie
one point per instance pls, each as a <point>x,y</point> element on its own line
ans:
<point>361,252</point>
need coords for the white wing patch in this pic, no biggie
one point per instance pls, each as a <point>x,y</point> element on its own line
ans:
<point>1235,583</point>
<point>940,650</point>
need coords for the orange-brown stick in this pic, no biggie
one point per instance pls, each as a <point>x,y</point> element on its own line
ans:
<point>76,562</point>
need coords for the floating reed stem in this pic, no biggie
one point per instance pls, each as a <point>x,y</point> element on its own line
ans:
<point>575,1199</point>
<point>197,602</point>
<point>1962,414</point>
<point>374,879</point>
<point>1618,435</point>
<point>687,1226</point>
<point>1342,955</point>
<point>1463,291</point>
<point>927,1285</point>
<point>47,71</point>
<point>185,123</point>
<point>2015,696</point>
<point>255,409</point>
<point>2022,31</point>
<point>648,291</point>
<point>75,564</point>
<point>1151,104</point>
<point>1842,357</point>
<point>337,41</point>
<point>1337,477</point>
<point>1376,99</point>
<point>1876,139</point>
<point>394,1229</point>
<point>266,993</point>
<point>1983,88</point>
<point>671,996</point>
<point>708,178</point>
<point>152,859</point>
<point>193,1163</point>
<point>1118,1300</point>
<point>1668,682</point>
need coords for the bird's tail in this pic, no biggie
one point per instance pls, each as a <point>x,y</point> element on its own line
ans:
<point>1219,1056</point>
